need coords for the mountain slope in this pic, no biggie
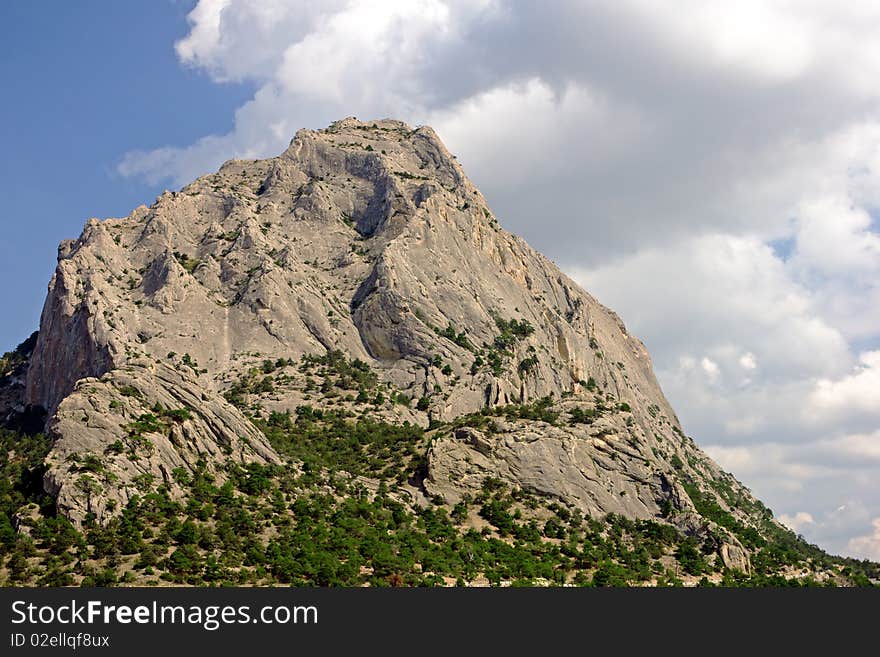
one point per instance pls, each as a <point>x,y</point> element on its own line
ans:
<point>358,284</point>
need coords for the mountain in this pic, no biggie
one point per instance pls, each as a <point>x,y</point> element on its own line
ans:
<point>348,324</point>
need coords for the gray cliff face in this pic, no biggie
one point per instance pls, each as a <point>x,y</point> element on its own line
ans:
<point>367,238</point>
<point>330,246</point>
<point>139,426</point>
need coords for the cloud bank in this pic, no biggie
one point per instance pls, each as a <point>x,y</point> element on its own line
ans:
<point>711,173</point>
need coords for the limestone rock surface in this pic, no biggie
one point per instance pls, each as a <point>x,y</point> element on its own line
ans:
<point>365,238</point>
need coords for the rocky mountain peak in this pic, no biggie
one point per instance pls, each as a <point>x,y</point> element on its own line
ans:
<point>361,272</point>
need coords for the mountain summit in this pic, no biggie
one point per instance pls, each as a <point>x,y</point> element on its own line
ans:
<point>353,306</point>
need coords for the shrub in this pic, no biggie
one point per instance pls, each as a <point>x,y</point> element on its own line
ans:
<point>528,364</point>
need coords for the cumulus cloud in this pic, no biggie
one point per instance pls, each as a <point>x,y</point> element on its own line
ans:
<point>856,395</point>
<point>235,41</point>
<point>868,546</point>
<point>314,63</point>
<point>730,298</point>
<point>711,173</point>
<point>797,521</point>
<point>747,361</point>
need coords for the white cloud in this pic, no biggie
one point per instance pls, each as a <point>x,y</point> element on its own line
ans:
<point>868,546</point>
<point>342,61</point>
<point>853,396</point>
<point>493,129</point>
<point>798,521</point>
<point>757,38</point>
<point>834,237</point>
<point>711,369</point>
<point>721,295</point>
<point>712,173</point>
<point>204,39</point>
<point>861,448</point>
<point>773,40</point>
<point>236,41</point>
<point>772,461</point>
<point>314,62</point>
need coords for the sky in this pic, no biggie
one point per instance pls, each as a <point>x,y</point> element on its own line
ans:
<point>710,173</point>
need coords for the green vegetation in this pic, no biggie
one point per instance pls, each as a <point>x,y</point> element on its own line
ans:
<point>332,377</point>
<point>10,360</point>
<point>270,525</point>
<point>315,525</point>
<point>21,475</point>
<point>350,374</point>
<point>578,415</point>
<point>338,513</point>
<point>188,361</point>
<point>188,263</point>
<point>459,338</point>
<point>527,364</point>
<point>130,391</point>
<point>512,331</point>
<point>773,546</point>
<point>497,354</point>
<point>332,441</point>
<point>709,508</point>
<point>409,176</point>
<point>540,410</point>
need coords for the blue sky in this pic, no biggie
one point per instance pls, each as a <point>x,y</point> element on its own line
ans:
<point>83,83</point>
<point>712,174</point>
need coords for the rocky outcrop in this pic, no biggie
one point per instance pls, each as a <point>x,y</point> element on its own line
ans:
<point>571,464</point>
<point>367,238</point>
<point>139,427</point>
<point>735,557</point>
